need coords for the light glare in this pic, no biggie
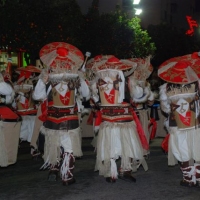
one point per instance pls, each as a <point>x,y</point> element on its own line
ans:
<point>135,2</point>
<point>138,11</point>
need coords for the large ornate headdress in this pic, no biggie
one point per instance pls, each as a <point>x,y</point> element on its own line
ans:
<point>109,66</point>
<point>102,62</point>
<point>181,70</point>
<point>25,73</point>
<point>61,57</point>
<point>144,68</point>
<point>138,79</point>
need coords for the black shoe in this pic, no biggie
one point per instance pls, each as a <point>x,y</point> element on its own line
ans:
<point>35,153</point>
<point>53,175</point>
<point>36,156</point>
<point>188,183</point>
<point>127,176</point>
<point>110,180</point>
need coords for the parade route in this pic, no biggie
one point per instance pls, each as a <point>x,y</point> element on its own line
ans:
<point>24,180</point>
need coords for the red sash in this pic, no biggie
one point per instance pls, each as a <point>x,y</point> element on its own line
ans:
<point>7,113</point>
<point>140,131</point>
<point>152,123</point>
<point>165,143</point>
<point>43,116</point>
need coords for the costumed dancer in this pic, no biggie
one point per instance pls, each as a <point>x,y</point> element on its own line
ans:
<point>179,98</point>
<point>10,124</point>
<point>140,94</point>
<point>24,104</point>
<point>157,116</point>
<point>37,139</point>
<point>94,100</point>
<point>120,133</point>
<point>63,88</point>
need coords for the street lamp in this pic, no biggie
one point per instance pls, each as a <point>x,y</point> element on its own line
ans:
<point>138,11</point>
<point>136,2</point>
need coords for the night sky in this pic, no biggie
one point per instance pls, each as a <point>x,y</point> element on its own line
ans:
<point>152,10</point>
<point>150,15</point>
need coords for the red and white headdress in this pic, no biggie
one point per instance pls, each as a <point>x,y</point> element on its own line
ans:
<point>144,68</point>
<point>102,62</point>
<point>112,68</point>
<point>61,57</point>
<point>139,89</point>
<point>181,70</point>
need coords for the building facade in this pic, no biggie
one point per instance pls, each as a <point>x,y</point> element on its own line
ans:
<point>175,11</point>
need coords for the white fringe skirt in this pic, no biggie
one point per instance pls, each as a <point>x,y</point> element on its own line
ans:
<point>118,140</point>
<point>27,127</point>
<point>54,139</point>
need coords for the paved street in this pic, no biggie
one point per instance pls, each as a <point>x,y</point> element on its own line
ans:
<point>24,181</point>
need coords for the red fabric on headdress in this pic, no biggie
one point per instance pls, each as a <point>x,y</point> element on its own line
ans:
<point>62,51</point>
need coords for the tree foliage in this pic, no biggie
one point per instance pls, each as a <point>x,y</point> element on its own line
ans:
<point>30,24</point>
<point>142,44</point>
<point>115,33</point>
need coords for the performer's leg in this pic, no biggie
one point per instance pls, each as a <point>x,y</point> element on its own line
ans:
<point>34,153</point>
<point>197,168</point>
<point>38,150</point>
<point>113,171</point>
<point>189,177</point>
<point>54,172</point>
<point>67,167</point>
<point>41,142</point>
<point>127,174</point>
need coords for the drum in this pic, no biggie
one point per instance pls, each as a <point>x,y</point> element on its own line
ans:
<point>24,102</point>
<point>65,99</point>
<point>10,124</point>
<point>111,87</point>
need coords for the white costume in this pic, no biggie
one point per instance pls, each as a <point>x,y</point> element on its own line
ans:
<point>118,132</point>
<point>180,100</point>
<point>62,91</point>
